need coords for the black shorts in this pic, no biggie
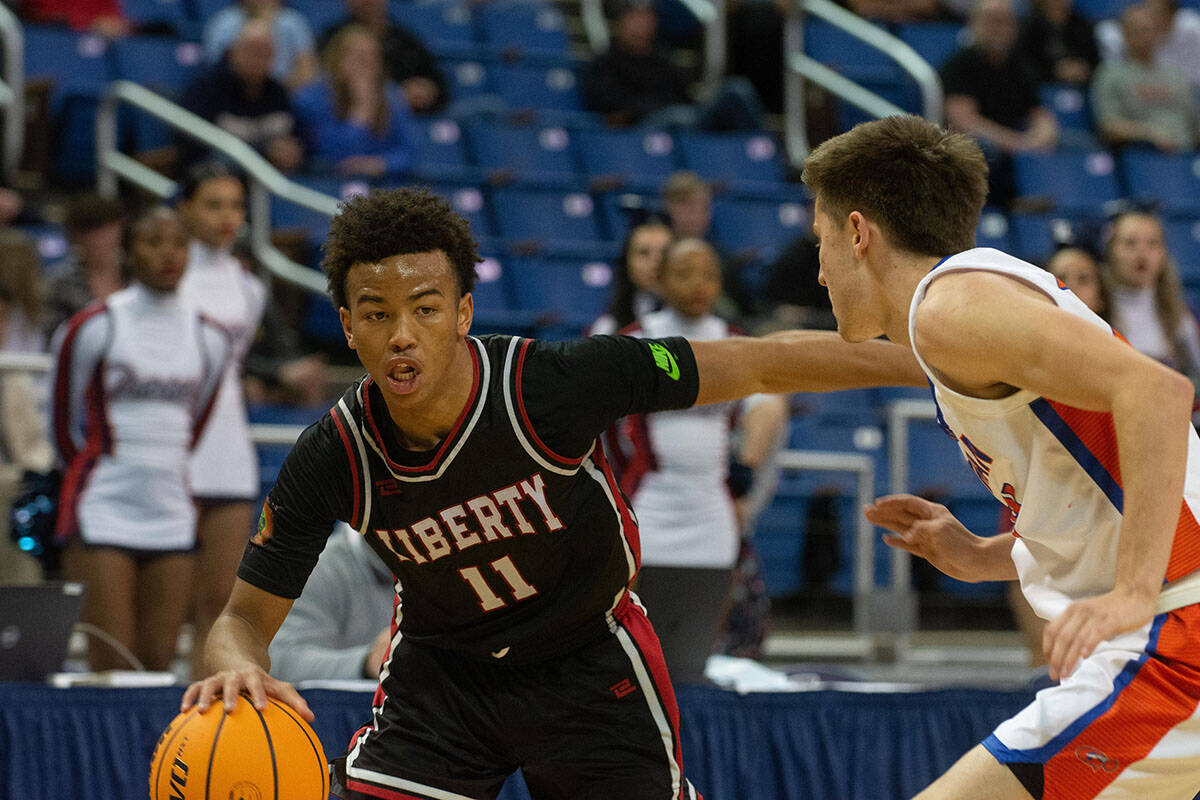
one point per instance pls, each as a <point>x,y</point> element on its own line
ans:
<point>598,724</point>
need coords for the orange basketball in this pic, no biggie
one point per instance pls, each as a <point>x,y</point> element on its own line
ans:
<point>246,754</point>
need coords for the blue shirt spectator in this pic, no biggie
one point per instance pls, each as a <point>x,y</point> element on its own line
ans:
<point>355,121</point>
<point>294,61</point>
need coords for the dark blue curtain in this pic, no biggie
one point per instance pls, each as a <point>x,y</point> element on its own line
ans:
<point>96,743</point>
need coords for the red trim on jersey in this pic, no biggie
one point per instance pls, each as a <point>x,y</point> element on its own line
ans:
<point>462,417</point>
<point>628,521</point>
<point>82,465</point>
<point>378,791</point>
<point>632,618</point>
<point>62,382</point>
<point>1162,694</point>
<point>644,459</point>
<point>1098,433</point>
<point>355,520</point>
<point>206,412</point>
<point>563,461</point>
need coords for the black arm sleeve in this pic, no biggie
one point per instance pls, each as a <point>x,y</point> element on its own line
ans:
<point>574,390</point>
<point>313,491</point>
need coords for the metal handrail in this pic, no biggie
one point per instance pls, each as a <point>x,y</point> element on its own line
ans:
<point>798,67</point>
<point>863,466</point>
<point>710,13</point>
<point>12,90</point>
<point>264,179</point>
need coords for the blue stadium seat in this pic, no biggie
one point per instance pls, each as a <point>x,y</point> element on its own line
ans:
<point>1073,182</point>
<point>529,86</point>
<point>541,153</point>
<point>993,230</point>
<point>77,63</point>
<point>469,79</point>
<point>492,292</point>
<point>559,221</point>
<point>1171,181</point>
<point>471,203</point>
<point>779,540</point>
<point>934,41</point>
<point>444,27</point>
<point>640,160</point>
<point>1035,237</point>
<point>163,65</point>
<point>173,13</point>
<point>857,406</point>
<point>756,230</point>
<point>900,92</point>
<point>524,28</point>
<point>735,160</point>
<point>49,239</point>
<point>1183,243</point>
<point>847,55</point>
<point>575,289</point>
<point>1070,107</point>
<point>1096,10</point>
<point>443,151</point>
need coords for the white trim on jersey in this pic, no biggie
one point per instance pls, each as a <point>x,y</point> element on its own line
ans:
<point>589,466</point>
<point>485,375</point>
<point>650,692</point>
<point>365,468</point>
<point>512,416</point>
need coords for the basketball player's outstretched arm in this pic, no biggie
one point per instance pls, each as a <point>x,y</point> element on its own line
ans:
<point>236,657</point>
<point>986,333</point>
<point>799,361</point>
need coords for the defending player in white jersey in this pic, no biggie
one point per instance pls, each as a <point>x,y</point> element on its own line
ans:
<point>134,382</point>
<point>1086,441</point>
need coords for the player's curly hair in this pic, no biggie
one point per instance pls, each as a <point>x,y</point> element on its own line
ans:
<point>389,222</point>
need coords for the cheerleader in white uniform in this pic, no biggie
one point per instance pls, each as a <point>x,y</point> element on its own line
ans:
<point>224,466</point>
<point>676,474</point>
<point>134,382</point>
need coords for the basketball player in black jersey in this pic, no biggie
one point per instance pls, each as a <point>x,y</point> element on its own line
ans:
<point>470,464</point>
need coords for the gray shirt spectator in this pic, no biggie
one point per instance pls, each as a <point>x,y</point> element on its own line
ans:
<point>334,628</point>
<point>1136,100</point>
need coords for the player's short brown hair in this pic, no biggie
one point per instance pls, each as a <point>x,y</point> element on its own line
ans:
<point>390,222</point>
<point>923,186</point>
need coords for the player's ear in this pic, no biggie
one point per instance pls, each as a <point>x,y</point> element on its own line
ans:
<point>861,232</point>
<point>344,316</point>
<point>466,313</point>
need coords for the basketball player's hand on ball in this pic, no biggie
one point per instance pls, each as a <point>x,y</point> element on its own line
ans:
<point>252,681</point>
<point>1074,634</point>
<point>930,531</point>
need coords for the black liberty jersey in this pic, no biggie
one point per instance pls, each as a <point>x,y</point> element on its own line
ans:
<point>511,539</point>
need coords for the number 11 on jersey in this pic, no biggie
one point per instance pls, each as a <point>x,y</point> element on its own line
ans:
<point>506,569</point>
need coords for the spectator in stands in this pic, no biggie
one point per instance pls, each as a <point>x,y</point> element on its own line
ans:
<point>688,198</point>
<point>1059,42</point>
<point>1079,270</point>
<point>676,475</point>
<point>406,60</point>
<point>294,62</point>
<point>634,82</point>
<point>21,279</point>
<point>134,379</point>
<point>93,268</point>
<point>23,447</point>
<point>794,297</point>
<point>341,625</point>
<point>1178,42</point>
<point>239,95</point>
<point>635,276</point>
<point>992,94</point>
<point>1138,101</point>
<point>11,205</point>
<point>102,17</point>
<point>355,120</point>
<point>1148,306</point>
